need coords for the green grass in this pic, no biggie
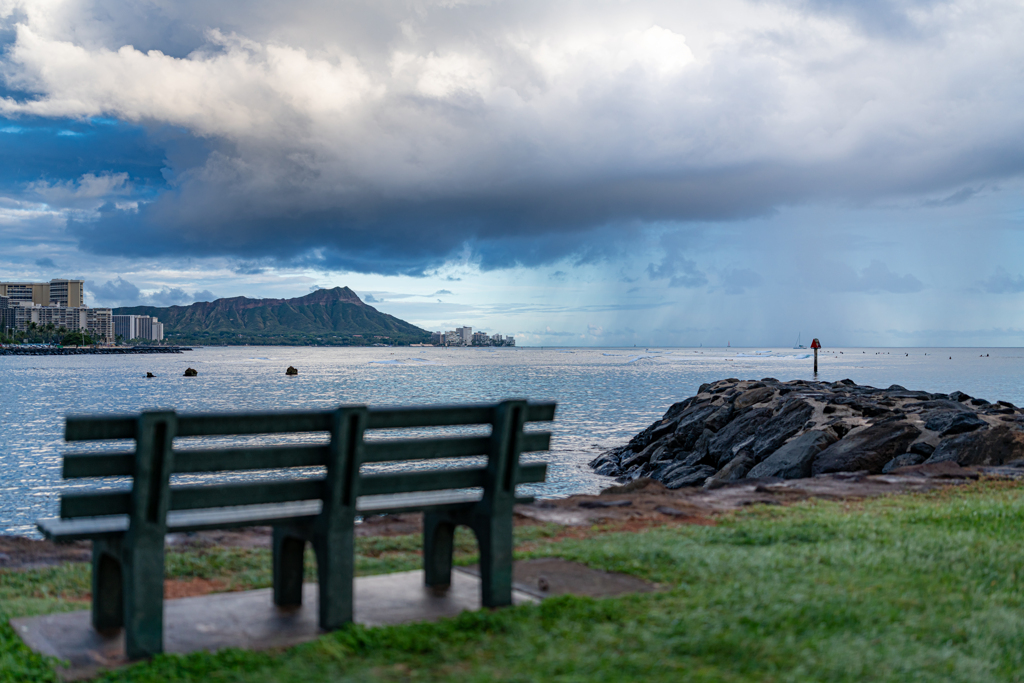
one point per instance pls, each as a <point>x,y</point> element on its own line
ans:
<point>915,587</point>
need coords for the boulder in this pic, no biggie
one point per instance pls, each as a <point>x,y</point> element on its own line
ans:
<point>778,429</point>
<point>688,476</point>
<point>734,470</point>
<point>190,373</point>
<point>728,441</point>
<point>950,422</point>
<point>291,371</point>
<point>150,374</point>
<point>905,460</point>
<point>753,397</point>
<point>869,449</point>
<point>992,446</point>
<point>793,460</point>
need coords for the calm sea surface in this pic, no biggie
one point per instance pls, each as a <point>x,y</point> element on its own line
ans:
<point>604,396</point>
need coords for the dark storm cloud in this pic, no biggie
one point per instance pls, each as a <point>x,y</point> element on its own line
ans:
<point>395,138</point>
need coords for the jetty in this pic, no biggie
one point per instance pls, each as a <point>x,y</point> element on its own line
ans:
<point>24,350</point>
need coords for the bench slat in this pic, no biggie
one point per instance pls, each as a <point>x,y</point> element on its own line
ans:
<point>77,465</point>
<point>249,493</point>
<point>448,478</point>
<point>411,482</point>
<point>255,458</point>
<point>81,428</point>
<point>94,428</point>
<point>425,449</point>
<point>220,424</point>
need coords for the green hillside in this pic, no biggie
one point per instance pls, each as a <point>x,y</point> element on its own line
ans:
<point>336,317</point>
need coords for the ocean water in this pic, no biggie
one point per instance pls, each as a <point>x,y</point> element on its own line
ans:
<point>604,396</point>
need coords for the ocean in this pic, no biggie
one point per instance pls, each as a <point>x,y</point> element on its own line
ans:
<point>604,396</point>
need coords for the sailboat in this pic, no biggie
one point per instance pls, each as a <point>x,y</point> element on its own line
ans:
<point>798,344</point>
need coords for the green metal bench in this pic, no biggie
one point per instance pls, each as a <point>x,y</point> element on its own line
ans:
<point>127,527</point>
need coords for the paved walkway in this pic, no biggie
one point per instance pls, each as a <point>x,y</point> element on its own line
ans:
<point>250,620</point>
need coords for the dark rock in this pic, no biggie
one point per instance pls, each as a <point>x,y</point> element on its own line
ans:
<point>993,446</point>
<point>190,373</point>
<point>952,422</point>
<point>828,410</point>
<point>869,449</point>
<point>753,397</point>
<point>719,418</point>
<point>671,512</point>
<point>958,396</point>
<point>905,460</point>
<point>150,374</point>
<point>793,460</point>
<point>291,371</point>
<point>737,434</point>
<point>691,425</point>
<point>734,470</point>
<point>979,402</point>
<point>779,428</point>
<point>635,485</point>
<point>605,503</point>
<point>925,449</point>
<point>940,404</point>
<point>689,476</point>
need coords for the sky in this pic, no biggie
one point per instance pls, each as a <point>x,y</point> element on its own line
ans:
<point>592,173</point>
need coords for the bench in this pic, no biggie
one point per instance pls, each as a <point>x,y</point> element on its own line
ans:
<point>127,527</point>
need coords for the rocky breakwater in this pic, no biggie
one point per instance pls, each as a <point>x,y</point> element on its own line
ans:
<point>733,430</point>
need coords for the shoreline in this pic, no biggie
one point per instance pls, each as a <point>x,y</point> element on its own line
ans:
<point>86,351</point>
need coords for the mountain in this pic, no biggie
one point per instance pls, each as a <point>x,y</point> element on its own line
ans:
<point>327,317</point>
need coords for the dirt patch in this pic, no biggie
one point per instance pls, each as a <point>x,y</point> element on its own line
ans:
<point>645,502</point>
<point>25,553</point>
<point>190,588</point>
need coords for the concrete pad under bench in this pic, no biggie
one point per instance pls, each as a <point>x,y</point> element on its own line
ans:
<point>250,620</point>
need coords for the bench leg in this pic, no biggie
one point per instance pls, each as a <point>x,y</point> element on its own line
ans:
<point>143,566</point>
<point>107,585</point>
<point>494,535</point>
<point>335,567</point>
<point>289,550</point>
<point>438,546</point>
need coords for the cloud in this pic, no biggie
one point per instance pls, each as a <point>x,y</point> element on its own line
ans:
<point>1002,282</point>
<point>681,272</point>
<point>120,292</point>
<point>46,263</point>
<point>371,299</point>
<point>739,280</point>
<point>380,139</point>
<point>442,292</point>
<point>876,278</point>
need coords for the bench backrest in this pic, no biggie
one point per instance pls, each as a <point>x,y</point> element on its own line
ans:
<point>155,458</point>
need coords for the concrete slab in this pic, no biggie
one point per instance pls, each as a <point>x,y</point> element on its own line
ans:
<point>249,620</point>
<point>545,577</point>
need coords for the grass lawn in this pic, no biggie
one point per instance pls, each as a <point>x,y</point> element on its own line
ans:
<point>907,588</point>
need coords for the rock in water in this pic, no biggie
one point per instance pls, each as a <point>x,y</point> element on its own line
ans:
<point>732,430</point>
<point>150,374</point>
<point>291,371</point>
<point>191,373</point>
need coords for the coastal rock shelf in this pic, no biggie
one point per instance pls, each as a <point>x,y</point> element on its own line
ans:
<point>734,430</point>
<point>101,351</point>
